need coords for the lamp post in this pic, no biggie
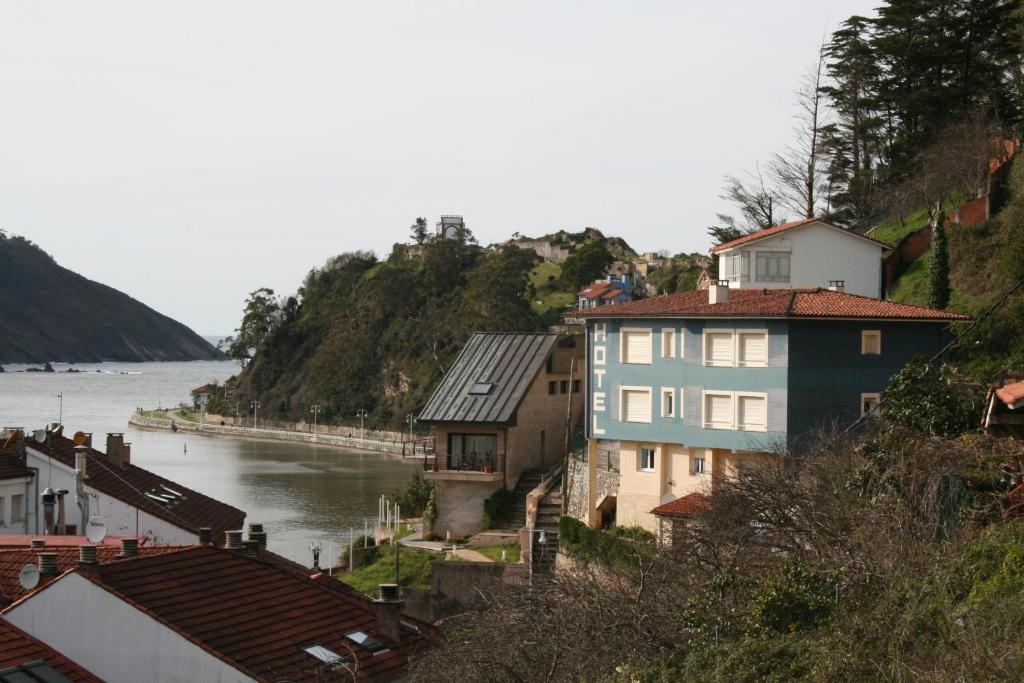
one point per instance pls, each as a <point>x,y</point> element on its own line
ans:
<point>255,405</point>
<point>60,413</point>
<point>411,419</point>
<point>361,414</point>
<point>316,411</point>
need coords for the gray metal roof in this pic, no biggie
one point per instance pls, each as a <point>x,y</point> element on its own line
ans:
<point>507,360</point>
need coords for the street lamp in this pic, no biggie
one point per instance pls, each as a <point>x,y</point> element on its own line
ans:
<point>361,414</point>
<point>255,405</point>
<point>316,411</point>
<point>411,419</point>
<point>60,414</point>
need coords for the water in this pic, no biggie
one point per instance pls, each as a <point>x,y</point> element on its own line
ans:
<point>302,493</point>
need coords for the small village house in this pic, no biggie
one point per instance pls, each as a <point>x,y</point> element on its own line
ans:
<point>502,410</point>
<point>16,482</point>
<point>688,388</point>
<point>201,397</point>
<point>615,290</point>
<point>802,254</point>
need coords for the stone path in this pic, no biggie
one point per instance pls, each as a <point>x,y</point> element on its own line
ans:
<point>415,540</point>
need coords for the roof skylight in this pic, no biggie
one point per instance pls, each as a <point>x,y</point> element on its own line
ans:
<point>326,656</point>
<point>366,641</point>
<point>481,388</point>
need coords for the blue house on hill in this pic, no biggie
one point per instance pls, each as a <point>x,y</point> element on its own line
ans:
<point>687,388</point>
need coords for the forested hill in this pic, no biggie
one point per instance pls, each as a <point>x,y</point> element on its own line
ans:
<point>53,314</point>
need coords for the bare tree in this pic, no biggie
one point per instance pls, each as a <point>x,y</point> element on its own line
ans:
<point>800,171</point>
<point>757,202</point>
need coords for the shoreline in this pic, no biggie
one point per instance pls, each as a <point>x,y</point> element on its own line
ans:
<point>406,449</point>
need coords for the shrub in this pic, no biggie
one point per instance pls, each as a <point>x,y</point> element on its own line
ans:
<point>430,514</point>
<point>414,497</point>
<point>499,509</point>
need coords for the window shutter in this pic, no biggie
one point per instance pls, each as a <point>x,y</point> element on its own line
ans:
<point>720,348</point>
<point>754,348</point>
<point>636,406</point>
<point>719,409</point>
<point>753,412</point>
<point>637,346</point>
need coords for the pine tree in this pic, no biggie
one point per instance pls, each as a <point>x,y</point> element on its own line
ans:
<point>938,262</point>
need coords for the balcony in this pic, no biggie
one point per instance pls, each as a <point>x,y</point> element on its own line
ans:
<point>466,467</point>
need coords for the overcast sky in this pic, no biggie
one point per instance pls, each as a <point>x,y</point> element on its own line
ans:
<point>188,153</point>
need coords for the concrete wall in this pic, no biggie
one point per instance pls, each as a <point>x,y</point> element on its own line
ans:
<point>457,587</point>
<point>460,502</point>
<point>112,639</point>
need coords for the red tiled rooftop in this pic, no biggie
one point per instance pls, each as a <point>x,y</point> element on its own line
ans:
<point>18,648</point>
<point>19,541</point>
<point>772,303</point>
<point>775,230</point>
<point>1011,393</point>
<point>683,506</point>
<point>130,482</point>
<point>595,290</point>
<point>611,294</point>
<point>257,614</point>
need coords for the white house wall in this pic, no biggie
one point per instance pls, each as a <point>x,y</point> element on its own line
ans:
<point>112,639</point>
<point>9,488</point>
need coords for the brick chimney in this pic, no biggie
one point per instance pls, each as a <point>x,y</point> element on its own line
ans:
<point>126,455</point>
<point>388,610</point>
<point>718,292</point>
<point>115,444</point>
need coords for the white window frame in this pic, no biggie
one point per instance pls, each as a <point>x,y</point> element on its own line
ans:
<point>864,336</point>
<point>704,410</point>
<point>18,511</point>
<point>668,343</point>
<point>622,404</point>
<point>696,471</point>
<point>704,351</point>
<point>671,394</point>
<point>682,342</point>
<point>864,397</point>
<point>772,254</point>
<point>740,363</point>
<point>640,458</point>
<point>636,330</point>
<point>736,411</point>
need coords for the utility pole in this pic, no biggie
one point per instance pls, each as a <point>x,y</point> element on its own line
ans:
<point>361,414</point>
<point>316,411</point>
<point>60,413</point>
<point>411,419</point>
<point>255,405</point>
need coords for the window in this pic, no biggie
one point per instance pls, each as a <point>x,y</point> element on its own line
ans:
<point>668,343</point>
<point>17,507</point>
<point>552,387</point>
<point>480,388</point>
<point>696,464</point>
<point>868,402</point>
<point>646,460</point>
<point>871,342</point>
<point>753,349</point>
<point>668,402</point>
<point>718,410</point>
<point>736,267</point>
<point>472,451</point>
<point>636,346</point>
<point>752,412</point>
<point>773,266</point>
<point>563,386</point>
<point>636,404</point>
<point>718,348</point>
<point>576,384</point>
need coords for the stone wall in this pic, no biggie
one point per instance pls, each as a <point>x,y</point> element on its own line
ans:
<point>457,587</point>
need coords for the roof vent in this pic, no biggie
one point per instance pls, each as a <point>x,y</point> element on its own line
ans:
<point>718,292</point>
<point>233,539</point>
<point>37,543</point>
<point>48,564</point>
<point>205,535</point>
<point>252,548</point>
<point>87,556</point>
<point>129,547</point>
<point>837,285</point>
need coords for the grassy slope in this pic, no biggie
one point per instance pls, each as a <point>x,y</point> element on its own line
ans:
<point>550,293</point>
<point>414,570</point>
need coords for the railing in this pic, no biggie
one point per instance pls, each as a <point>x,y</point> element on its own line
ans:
<point>488,464</point>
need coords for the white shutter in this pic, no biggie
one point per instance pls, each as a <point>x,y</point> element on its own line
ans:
<point>718,409</point>
<point>753,412</point>
<point>753,348</point>
<point>719,348</point>
<point>636,347</point>
<point>636,405</point>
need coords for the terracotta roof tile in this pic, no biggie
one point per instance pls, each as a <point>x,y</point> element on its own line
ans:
<point>771,303</point>
<point>775,230</point>
<point>595,290</point>
<point>258,614</point>
<point>130,483</point>
<point>1011,393</point>
<point>18,648</point>
<point>683,506</point>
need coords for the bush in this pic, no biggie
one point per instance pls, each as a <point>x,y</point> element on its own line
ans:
<point>795,599</point>
<point>615,548</point>
<point>430,514</point>
<point>499,509</point>
<point>414,498</point>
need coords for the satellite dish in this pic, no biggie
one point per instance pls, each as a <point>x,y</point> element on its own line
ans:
<point>39,435</point>
<point>29,576</point>
<point>79,438</point>
<point>96,529</point>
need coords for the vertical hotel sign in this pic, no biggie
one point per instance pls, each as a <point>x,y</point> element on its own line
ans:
<point>599,400</point>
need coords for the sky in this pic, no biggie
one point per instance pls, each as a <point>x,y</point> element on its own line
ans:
<point>188,153</point>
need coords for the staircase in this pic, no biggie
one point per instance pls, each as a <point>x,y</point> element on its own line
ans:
<point>528,481</point>
<point>550,509</point>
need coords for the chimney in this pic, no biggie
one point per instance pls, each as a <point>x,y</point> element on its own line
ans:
<point>257,534</point>
<point>718,292</point>
<point>87,557</point>
<point>37,543</point>
<point>126,455</point>
<point>205,535</point>
<point>82,460</point>
<point>61,524</point>
<point>88,439</point>
<point>233,539</point>
<point>129,547</point>
<point>388,610</point>
<point>837,285</point>
<point>48,564</point>
<point>115,442</point>
<point>252,549</point>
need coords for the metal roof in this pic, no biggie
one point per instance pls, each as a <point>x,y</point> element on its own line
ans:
<point>507,360</point>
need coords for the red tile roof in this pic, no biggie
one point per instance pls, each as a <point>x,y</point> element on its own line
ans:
<point>595,290</point>
<point>19,541</point>
<point>12,560</point>
<point>1011,393</point>
<point>611,294</point>
<point>18,648</point>
<point>684,506</point>
<point>257,614</point>
<point>771,303</point>
<point>775,230</point>
<point>205,389</point>
<point>130,483</point>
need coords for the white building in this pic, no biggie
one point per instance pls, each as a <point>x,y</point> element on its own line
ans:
<point>807,253</point>
<point>15,488</point>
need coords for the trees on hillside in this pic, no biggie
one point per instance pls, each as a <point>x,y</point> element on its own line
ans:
<point>590,263</point>
<point>418,230</point>
<point>259,316</point>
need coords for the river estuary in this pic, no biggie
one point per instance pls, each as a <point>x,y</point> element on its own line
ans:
<point>301,493</point>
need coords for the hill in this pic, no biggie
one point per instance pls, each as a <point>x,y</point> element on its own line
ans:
<point>53,314</point>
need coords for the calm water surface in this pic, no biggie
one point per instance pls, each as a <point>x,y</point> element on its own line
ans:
<point>301,493</point>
